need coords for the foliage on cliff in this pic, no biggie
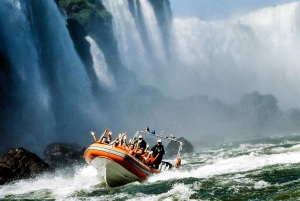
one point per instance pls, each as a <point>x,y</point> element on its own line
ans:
<point>90,18</point>
<point>88,13</point>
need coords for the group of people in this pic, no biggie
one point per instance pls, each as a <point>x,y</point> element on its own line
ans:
<point>138,148</point>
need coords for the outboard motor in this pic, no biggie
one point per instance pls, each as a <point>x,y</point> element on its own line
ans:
<point>165,166</point>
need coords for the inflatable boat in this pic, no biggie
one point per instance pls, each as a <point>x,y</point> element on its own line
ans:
<point>116,167</point>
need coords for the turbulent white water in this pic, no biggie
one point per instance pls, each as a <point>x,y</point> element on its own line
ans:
<point>222,59</point>
<point>223,164</point>
<point>238,166</point>
<point>62,184</point>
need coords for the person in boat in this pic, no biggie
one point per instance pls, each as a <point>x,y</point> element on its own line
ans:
<point>149,159</point>
<point>145,152</point>
<point>116,142</point>
<point>142,153</point>
<point>157,152</point>
<point>103,139</point>
<point>141,143</point>
<point>120,141</point>
<point>131,150</point>
<point>140,147</point>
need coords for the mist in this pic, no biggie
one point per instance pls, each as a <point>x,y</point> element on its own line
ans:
<point>208,81</point>
<point>225,59</point>
<point>212,66</point>
<point>218,10</point>
<point>199,87</point>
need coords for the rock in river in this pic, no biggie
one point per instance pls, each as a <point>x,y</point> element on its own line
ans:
<point>21,164</point>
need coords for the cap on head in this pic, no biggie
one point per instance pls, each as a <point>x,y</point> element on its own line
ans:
<point>140,137</point>
<point>159,140</point>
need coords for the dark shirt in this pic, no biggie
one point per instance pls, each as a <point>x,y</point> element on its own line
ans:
<point>158,149</point>
<point>141,144</point>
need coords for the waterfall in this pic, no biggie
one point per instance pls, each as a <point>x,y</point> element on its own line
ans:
<point>154,33</point>
<point>30,98</point>
<point>49,96</point>
<point>132,41</point>
<point>52,93</point>
<point>222,59</point>
<point>167,12</point>
<point>129,40</point>
<point>101,69</point>
<point>225,59</point>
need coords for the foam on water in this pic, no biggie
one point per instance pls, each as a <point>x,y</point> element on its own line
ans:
<point>177,192</point>
<point>236,164</point>
<point>261,184</point>
<point>290,149</point>
<point>223,167</point>
<point>59,184</point>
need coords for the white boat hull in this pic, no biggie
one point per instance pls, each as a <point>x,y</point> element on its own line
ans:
<point>112,173</point>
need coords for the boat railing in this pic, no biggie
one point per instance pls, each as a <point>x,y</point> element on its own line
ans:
<point>170,138</point>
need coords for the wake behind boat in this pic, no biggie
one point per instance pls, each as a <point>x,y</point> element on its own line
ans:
<point>117,166</point>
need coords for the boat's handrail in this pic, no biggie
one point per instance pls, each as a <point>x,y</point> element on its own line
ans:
<point>162,137</point>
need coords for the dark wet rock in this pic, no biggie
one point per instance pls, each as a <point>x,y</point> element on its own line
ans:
<point>64,154</point>
<point>173,147</point>
<point>21,164</point>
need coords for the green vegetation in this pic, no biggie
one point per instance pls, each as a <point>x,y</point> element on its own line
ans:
<point>87,13</point>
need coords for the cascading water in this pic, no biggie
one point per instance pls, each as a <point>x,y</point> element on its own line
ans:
<point>52,93</point>
<point>154,34</point>
<point>49,99</point>
<point>129,40</point>
<point>167,12</point>
<point>225,59</point>
<point>277,29</point>
<point>30,97</point>
<point>100,66</point>
<point>141,50</point>
<point>220,59</point>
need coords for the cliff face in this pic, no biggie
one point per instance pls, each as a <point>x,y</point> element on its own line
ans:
<point>4,76</point>
<point>90,18</point>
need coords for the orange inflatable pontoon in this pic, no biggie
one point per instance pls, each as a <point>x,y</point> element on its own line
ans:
<point>116,167</point>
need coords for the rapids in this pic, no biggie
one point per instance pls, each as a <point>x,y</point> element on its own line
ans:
<point>254,170</point>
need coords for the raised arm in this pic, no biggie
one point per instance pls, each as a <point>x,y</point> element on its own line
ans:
<point>113,142</point>
<point>93,134</point>
<point>102,136</point>
<point>109,133</point>
<point>147,146</point>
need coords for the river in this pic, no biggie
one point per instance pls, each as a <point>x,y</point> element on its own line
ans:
<point>265,169</point>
